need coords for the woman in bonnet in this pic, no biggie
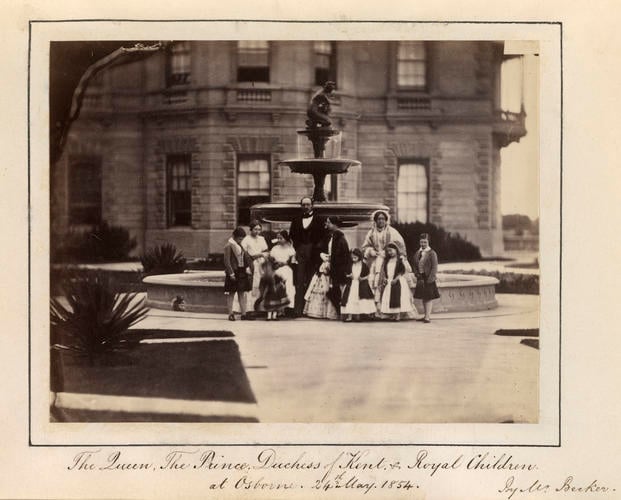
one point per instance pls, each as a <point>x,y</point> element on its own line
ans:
<point>374,246</point>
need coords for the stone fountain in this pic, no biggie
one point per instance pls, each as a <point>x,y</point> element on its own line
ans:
<point>320,160</point>
<point>319,154</point>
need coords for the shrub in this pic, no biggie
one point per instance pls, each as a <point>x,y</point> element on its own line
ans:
<point>163,259</point>
<point>117,279</point>
<point>450,247</point>
<point>90,319</point>
<point>213,262</point>
<point>101,243</point>
<point>516,222</point>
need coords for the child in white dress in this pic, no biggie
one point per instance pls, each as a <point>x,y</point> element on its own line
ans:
<point>317,304</point>
<point>283,255</point>
<point>256,247</point>
<point>395,292</point>
<point>358,298</point>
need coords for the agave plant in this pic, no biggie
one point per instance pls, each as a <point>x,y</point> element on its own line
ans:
<point>91,319</point>
<point>163,259</point>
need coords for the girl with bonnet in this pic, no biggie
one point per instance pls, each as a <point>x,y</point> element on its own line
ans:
<point>357,296</point>
<point>396,298</point>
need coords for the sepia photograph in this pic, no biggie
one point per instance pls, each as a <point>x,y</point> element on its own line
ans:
<point>322,250</point>
<point>294,231</point>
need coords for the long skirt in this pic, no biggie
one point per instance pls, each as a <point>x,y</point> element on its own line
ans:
<point>356,305</point>
<point>317,303</point>
<point>286,273</point>
<point>257,274</point>
<point>406,304</point>
<point>375,266</point>
<point>426,291</point>
<point>275,298</point>
<point>240,284</point>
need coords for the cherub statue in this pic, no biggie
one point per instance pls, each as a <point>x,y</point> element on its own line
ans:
<point>319,107</point>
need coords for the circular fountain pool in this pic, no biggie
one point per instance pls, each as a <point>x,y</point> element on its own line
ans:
<point>202,291</point>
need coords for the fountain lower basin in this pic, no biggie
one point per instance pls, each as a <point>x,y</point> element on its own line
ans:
<point>202,291</point>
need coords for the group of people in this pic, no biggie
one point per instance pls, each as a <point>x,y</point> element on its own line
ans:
<point>311,271</point>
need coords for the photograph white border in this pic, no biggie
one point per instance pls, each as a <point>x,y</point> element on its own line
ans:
<point>544,433</point>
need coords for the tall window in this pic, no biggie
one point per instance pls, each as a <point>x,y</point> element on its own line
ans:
<point>85,191</point>
<point>253,184</point>
<point>253,61</point>
<point>325,62</point>
<point>178,64</point>
<point>412,65</point>
<point>179,190</point>
<point>413,191</point>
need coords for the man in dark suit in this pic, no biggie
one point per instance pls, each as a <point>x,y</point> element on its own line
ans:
<point>307,230</point>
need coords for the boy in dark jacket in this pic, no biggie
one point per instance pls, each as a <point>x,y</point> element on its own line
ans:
<point>238,269</point>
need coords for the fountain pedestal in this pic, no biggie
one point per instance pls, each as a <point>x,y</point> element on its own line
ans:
<point>326,160</point>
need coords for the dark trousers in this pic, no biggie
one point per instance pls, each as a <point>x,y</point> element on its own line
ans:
<point>303,274</point>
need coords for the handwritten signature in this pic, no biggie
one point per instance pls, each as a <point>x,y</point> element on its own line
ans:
<point>569,485</point>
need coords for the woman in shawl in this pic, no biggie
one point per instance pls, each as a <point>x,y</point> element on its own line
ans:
<point>374,247</point>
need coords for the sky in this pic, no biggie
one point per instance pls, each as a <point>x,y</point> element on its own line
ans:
<point>520,160</point>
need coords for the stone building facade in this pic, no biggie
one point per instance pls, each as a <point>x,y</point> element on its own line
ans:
<point>177,146</point>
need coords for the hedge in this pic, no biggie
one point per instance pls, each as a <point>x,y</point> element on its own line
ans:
<point>508,282</point>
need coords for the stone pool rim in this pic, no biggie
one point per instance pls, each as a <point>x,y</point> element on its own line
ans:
<point>192,279</point>
<point>202,291</point>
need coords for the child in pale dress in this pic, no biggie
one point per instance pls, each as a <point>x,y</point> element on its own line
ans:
<point>283,255</point>
<point>256,246</point>
<point>396,296</point>
<point>317,304</point>
<point>358,298</point>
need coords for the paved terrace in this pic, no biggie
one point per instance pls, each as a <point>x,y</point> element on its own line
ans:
<point>452,370</point>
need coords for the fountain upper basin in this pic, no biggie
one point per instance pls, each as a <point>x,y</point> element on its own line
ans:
<point>319,165</point>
